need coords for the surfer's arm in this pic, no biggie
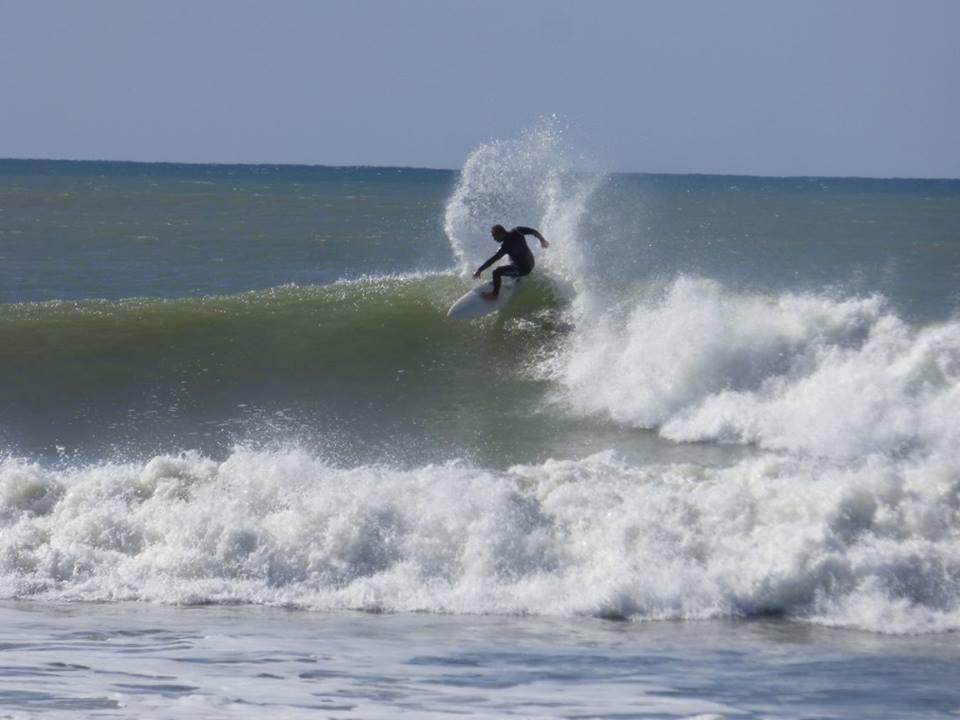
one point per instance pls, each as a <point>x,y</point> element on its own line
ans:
<point>535,233</point>
<point>497,255</point>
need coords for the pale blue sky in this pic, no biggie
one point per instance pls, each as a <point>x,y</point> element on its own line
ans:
<point>775,87</point>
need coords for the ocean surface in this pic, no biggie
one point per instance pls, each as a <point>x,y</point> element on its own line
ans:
<point>706,463</point>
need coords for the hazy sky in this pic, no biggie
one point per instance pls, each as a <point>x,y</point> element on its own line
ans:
<point>798,87</point>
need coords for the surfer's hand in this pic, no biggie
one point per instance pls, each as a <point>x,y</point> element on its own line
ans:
<point>544,243</point>
<point>476,275</point>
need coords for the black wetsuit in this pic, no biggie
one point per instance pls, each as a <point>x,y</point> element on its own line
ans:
<point>521,258</point>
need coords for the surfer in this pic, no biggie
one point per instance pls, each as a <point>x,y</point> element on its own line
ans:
<point>514,244</point>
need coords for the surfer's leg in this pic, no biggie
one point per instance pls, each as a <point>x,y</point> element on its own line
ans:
<point>498,278</point>
<point>498,275</point>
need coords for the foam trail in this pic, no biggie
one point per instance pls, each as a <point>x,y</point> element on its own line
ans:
<point>529,180</point>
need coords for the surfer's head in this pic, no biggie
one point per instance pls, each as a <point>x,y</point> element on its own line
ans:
<point>499,232</point>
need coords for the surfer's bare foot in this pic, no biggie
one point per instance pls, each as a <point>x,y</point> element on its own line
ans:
<point>489,295</point>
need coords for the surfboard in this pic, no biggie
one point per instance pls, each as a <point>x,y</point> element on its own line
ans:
<point>473,304</point>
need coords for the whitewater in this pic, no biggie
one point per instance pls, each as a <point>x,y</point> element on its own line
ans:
<point>697,413</point>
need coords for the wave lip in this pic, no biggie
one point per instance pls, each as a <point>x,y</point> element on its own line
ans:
<point>871,545</point>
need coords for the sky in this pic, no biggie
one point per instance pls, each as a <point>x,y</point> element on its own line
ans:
<point>764,87</point>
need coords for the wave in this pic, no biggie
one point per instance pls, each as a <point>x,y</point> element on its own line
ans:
<point>819,372</point>
<point>871,545</point>
<point>374,362</point>
<point>380,308</point>
<point>806,373</point>
<point>369,325</point>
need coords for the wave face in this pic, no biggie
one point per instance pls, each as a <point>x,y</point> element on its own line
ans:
<point>703,403</point>
<point>367,368</point>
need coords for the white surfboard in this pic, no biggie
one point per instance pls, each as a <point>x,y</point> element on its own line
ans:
<point>474,305</point>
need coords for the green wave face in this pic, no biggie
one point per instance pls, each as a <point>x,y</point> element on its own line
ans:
<point>358,364</point>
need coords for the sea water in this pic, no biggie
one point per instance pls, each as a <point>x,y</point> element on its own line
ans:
<point>705,464</point>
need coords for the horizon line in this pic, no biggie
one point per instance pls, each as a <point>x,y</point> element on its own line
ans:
<point>196,163</point>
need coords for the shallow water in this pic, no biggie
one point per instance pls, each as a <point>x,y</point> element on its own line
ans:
<point>131,660</point>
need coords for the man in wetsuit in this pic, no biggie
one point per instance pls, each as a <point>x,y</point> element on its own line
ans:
<point>512,243</point>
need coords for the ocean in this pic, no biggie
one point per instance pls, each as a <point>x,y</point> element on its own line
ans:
<point>706,463</point>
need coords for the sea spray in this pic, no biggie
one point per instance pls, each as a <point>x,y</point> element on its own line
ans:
<point>528,180</point>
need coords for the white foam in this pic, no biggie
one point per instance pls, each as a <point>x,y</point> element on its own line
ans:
<point>804,373</point>
<point>872,544</point>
